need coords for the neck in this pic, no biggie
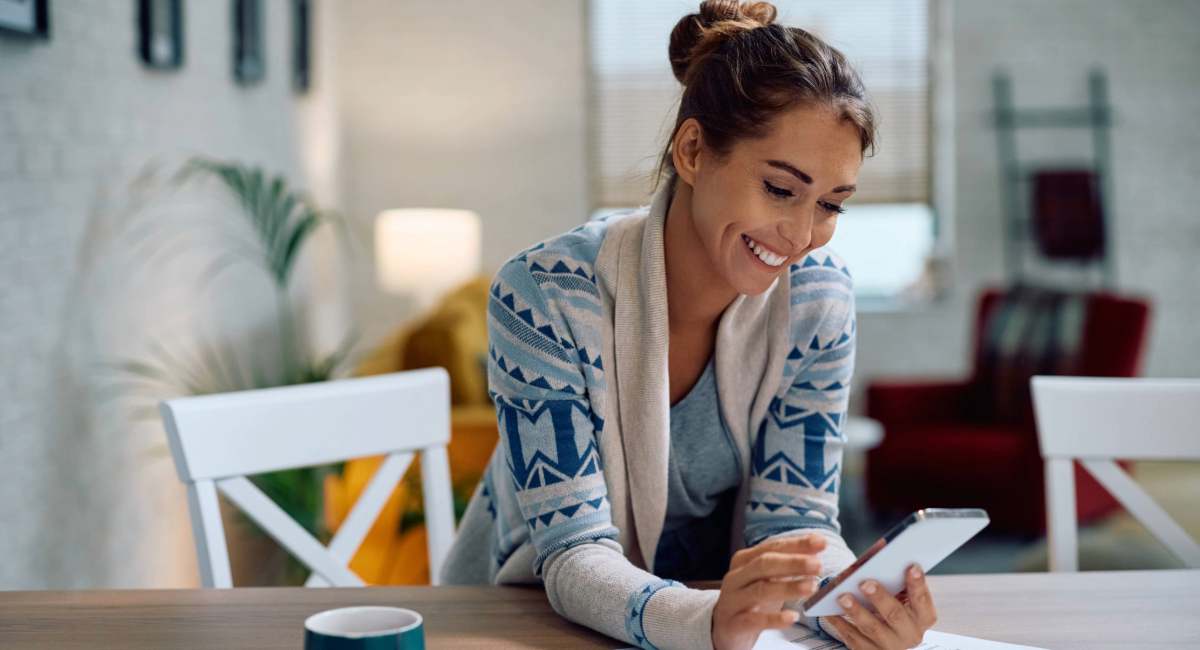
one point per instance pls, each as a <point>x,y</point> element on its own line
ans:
<point>696,294</point>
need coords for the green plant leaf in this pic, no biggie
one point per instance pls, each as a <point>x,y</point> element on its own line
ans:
<point>299,232</point>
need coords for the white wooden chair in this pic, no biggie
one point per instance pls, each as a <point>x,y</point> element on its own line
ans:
<point>1096,420</point>
<point>218,440</point>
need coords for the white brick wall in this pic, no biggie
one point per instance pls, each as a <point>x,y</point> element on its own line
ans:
<point>86,500</point>
<point>1150,50</point>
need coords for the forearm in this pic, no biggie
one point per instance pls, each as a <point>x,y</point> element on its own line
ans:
<point>595,585</point>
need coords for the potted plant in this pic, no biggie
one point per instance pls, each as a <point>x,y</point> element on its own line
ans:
<point>280,221</point>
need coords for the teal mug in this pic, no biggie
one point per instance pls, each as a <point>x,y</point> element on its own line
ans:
<point>365,628</point>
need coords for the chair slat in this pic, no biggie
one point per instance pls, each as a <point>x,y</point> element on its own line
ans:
<point>1140,505</point>
<point>286,531</point>
<point>439,508</point>
<point>1060,514</point>
<point>209,533</point>
<point>352,531</point>
<point>364,513</point>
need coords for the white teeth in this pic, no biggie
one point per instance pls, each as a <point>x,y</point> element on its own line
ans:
<point>763,254</point>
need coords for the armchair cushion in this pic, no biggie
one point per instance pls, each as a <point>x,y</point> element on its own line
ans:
<point>899,404</point>
<point>950,456</point>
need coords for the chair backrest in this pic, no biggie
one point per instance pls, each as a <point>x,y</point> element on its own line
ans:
<point>1095,420</point>
<point>1114,333</point>
<point>218,440</point>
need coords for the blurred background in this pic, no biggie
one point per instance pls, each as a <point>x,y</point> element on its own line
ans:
<point>208,196</point>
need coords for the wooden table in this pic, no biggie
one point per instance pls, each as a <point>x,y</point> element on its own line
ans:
<point>1142,610</point>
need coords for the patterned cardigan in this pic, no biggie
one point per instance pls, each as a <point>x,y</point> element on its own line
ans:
<point>542,510</point>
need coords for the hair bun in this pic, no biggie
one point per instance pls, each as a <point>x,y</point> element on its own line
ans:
<point>696,35</point>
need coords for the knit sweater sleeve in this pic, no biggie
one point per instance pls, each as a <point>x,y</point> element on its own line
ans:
<point>543,359</point>
<point>796,462</point>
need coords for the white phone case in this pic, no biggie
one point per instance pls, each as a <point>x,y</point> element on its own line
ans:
<point>924,538</point>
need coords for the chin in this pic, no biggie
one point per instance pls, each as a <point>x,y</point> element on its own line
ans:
<point>752,282</point>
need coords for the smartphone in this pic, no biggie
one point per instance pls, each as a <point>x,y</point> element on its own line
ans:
<point>925,538</point>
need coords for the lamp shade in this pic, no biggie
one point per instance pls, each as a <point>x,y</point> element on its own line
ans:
<point>426,251</point>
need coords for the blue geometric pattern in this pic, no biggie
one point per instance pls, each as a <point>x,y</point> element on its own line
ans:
<point>635,607</point>
<point>543,444</point>
<point>795,463</point>
<point>547,380</point>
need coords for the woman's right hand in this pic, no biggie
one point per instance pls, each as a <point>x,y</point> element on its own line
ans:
<point>759,581</point>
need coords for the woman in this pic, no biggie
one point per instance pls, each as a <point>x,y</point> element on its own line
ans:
<point>671,383</point>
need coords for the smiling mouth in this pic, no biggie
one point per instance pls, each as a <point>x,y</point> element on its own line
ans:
<point>761,252</point>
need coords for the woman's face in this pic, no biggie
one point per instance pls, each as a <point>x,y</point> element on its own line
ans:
<point>770,201</point>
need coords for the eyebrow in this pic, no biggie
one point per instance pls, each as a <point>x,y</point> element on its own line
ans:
<point>805,178</point>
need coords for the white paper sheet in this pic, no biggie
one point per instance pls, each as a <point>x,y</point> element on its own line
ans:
<point>802,638</point>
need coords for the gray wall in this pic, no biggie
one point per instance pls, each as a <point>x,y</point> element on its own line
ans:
<point>88,497</point>
<point>1150,50</point>
<point>462,104</point>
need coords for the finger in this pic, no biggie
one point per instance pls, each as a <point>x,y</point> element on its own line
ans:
<point>809,544</point>
<point>890,611</point>
<point>765,591</point>
<point>773,565</point>
<point>759,621</point>
<point>920,600</point>
<point>850,634</point>
<point>868,623</point>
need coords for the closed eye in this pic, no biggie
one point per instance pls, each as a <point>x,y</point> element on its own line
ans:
<point>778,192</point>
<point>829,207</point>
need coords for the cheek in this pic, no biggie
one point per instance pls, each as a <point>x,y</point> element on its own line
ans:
<point>823,231</point>
<point>715,213</point>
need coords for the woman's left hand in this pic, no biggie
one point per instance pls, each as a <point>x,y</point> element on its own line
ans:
<point>898,623</point>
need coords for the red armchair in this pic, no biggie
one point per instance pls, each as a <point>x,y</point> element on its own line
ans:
<point>946,444</point>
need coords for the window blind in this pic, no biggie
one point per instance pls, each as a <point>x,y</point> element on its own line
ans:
<point>635,97</point>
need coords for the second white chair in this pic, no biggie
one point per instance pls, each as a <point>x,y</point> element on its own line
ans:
<point>219,440</point>
<point>1096,420</point>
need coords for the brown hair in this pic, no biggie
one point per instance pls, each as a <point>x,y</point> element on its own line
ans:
<point>739,69</point>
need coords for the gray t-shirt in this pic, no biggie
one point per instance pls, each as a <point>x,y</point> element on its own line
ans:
<point>703,474</point>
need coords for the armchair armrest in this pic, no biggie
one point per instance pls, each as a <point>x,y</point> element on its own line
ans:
<point>900,403</point>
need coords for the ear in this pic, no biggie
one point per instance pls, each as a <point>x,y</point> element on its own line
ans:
<point>685,151</point>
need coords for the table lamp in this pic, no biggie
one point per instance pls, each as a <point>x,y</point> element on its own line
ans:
<point>423,252</point>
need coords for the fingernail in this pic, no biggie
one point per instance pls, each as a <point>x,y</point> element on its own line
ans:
<point>846,600</point>
<point>793,616</point>
<point>868,587</point>
<point>915,571</point>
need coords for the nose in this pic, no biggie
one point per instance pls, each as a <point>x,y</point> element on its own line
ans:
<point>797,230</point>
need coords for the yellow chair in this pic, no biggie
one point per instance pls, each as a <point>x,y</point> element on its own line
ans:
<point>453,336</point>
